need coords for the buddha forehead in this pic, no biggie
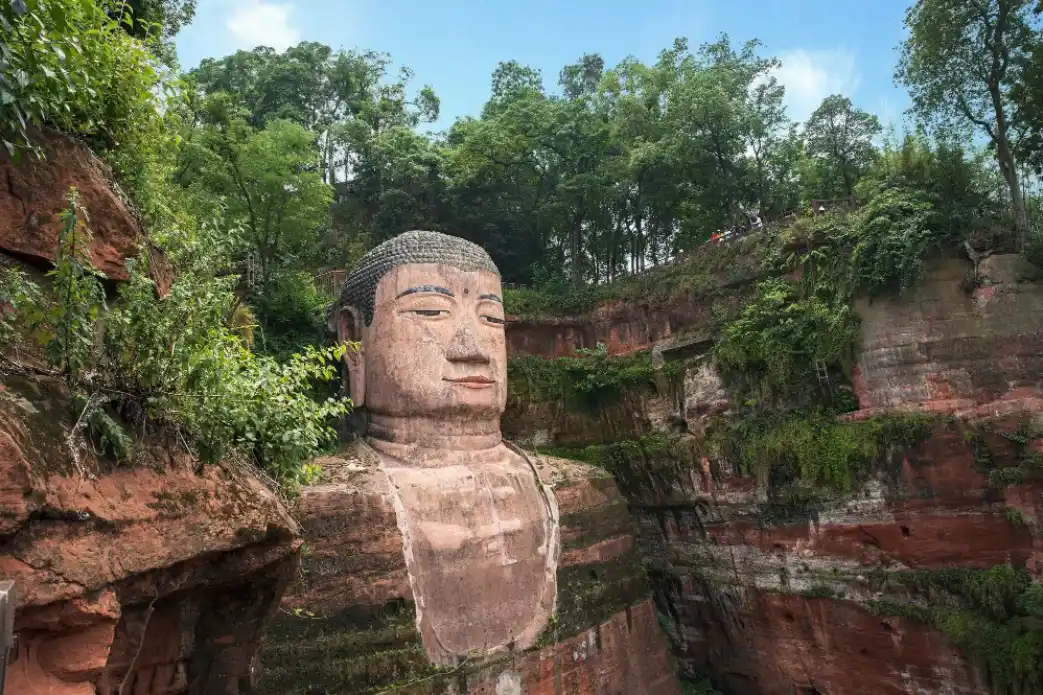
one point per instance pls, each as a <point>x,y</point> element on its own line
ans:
<point>435,278</point>
<point>423,257</point>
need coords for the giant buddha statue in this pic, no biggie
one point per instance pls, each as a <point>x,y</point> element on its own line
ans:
<point>434,559</point>
<point>479,529</point>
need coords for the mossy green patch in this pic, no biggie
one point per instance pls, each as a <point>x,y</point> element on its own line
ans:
<point>591,593</point>
<point>587,381</point>
<point>1006,455</point>
<point>995,616</point>
<point>586,527</point>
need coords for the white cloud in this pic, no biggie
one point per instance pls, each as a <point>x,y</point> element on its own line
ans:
<point>811,76</point>
<point>258,23</point>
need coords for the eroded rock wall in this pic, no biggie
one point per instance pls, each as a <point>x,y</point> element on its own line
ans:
<point>34,191</point>
<point>150,578</point>
<point>947,347</point>
<point>771,598</point>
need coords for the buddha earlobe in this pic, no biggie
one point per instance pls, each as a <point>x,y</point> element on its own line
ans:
<point>349,334</point>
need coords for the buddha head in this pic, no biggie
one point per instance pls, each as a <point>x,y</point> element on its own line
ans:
<point>427,312</point>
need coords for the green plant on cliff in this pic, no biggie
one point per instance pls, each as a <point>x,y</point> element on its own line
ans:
<point>591,378</point>
<point>994,615</point>
<point>702,686</point>
<point>624,456</point>
<point>813,447</point>
<point>1006,456</point>
<point>181,357</point>
<point>19,297</point>
<point>79,294</point>
<point>176,360</point>
<point>775,343</point>
<point>69,64</point>
<point>892,236</point>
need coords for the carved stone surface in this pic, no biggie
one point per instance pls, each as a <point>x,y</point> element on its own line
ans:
<point>479,529</point>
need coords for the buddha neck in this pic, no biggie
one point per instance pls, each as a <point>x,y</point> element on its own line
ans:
<point>394,435</point>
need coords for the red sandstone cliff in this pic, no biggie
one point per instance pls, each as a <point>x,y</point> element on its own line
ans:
<point>149,577</point>
<point>824,602</point>
<point>33,192</point>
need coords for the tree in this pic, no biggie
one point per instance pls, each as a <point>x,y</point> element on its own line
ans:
<point>961,61</point>
<point>765,133</point>
<point>344,97</point>
<point>268,182</point>
<point>841,138</point>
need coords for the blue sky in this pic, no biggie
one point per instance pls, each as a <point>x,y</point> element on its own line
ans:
<point>454,45</point>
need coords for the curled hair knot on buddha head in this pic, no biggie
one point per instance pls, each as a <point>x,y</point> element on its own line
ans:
<point>417,246</point>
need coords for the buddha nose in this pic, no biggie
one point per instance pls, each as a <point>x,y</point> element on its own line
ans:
<point>465,347</point>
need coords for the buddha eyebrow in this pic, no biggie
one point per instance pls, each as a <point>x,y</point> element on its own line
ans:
<point>426,288</point>
<point>493,297</point>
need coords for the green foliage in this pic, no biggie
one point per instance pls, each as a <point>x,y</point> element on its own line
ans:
<point>291,314</point>
<point>702,686</point>
<point>890,239</point>
<point>961,185</point>
<point>780,335</point>
<point>19,299</point>
<point>620,457</point>
<point>964,64</point>
<point>705,272</point>
<point>191,369</point>
<point>839,136</point>
<point>591,379</point>
<point>813,447</point>
<point>993,615</point>
<point>276,202</point>
<point>80,295</point>
<point>1007,457</point>
<point>109,436</point>
<point>177,360</point>
<point>1034,248</point>
<point>70,65</point>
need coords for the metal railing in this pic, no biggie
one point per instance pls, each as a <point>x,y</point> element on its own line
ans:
<point>329,284</point>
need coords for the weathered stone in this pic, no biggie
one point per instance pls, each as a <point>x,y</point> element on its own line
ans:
<point>33,193</point>
<point>141,577</point>
<point>941,349</point>
<point>771,600</point>
<point>348,624</point>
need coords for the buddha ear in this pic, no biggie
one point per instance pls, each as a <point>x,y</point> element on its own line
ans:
<point>349,330</point>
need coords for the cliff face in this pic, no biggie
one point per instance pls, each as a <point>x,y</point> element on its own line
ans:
<point>867,591</point>
<point>34,191</point>
<point>153,577</point>
<point>348,624</point>
<point>147,579</point>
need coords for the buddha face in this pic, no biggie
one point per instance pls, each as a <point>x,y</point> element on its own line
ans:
<point>436,345</point>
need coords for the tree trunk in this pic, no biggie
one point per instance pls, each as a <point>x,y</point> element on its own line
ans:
<point>1009,169</point>
<point>577,234</point>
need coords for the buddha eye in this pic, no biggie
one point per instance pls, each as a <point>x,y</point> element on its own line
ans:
<point>428,313</point>
<point>495,320</point>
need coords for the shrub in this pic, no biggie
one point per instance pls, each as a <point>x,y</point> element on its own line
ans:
<point>890,239</point>
<point>590,379</point>
<point>69,64</point>
<point>776,341</point>
<point>178,360</point>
